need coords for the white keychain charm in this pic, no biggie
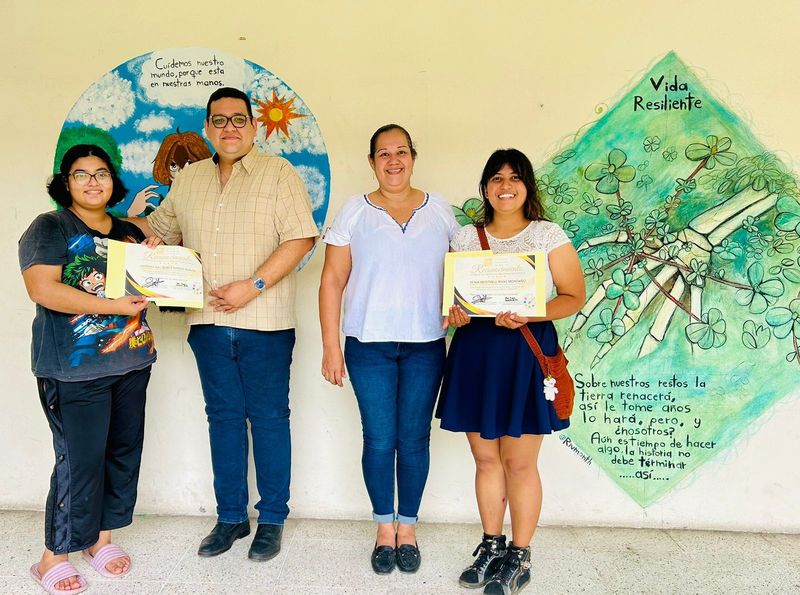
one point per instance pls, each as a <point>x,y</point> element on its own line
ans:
<point>550,389</point>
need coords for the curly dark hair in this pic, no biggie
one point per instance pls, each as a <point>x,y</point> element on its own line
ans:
<point>58,186</point>
<point>521,165</point>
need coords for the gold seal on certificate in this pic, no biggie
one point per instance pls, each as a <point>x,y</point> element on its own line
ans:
<point>167,275</point>
<point>484,283</point>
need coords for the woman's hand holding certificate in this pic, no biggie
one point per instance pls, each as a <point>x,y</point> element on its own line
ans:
<point>167,275</point>
<point>485,284</point>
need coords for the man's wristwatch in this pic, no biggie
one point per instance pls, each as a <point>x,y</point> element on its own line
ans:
<point>258,283</point>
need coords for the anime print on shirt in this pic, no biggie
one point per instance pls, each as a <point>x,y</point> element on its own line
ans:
<point>95,334</point>
<point>82,346</point>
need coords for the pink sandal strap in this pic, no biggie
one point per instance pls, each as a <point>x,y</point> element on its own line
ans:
<point>59,572</point>
<point>103,556</point>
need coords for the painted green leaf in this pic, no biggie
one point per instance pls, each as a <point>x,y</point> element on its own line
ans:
<point>608,185</point>
<point>631,300</point>
<point>785,321</point>
<point>626,173</point>
<point>755,274</point>
<point>792,275</point>
<point>617,158</point>
<point>565,156</point>
<point>754,336</point>
<point>772,288</point>
<point>708,333</point>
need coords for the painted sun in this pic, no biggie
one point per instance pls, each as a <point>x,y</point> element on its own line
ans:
<point>276,114</point>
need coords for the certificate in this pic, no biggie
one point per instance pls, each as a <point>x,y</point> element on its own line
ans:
<point>167,275</point>
<point>484,283</point>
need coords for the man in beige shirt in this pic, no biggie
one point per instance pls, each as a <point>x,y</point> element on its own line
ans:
<point>249,217</point>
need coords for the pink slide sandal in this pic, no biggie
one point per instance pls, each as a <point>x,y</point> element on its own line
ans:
<point>104,555</point>
<point>59,572</point>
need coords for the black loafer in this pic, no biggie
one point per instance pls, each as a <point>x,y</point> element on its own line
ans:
<point>408,558</point>
<point>222,537</point>
<point>267,542</point>
<point>383,559</point>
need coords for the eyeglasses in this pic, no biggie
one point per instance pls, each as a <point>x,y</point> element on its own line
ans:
<point>220,121</point>
<point>82,177</point>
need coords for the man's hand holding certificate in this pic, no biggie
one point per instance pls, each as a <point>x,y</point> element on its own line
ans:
<point>167,275</point>
<point>485,284</point>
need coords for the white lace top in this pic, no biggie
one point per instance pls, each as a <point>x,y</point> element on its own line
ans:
<point>539,235</point>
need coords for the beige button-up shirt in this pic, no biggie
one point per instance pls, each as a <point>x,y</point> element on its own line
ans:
<point>236,228</point>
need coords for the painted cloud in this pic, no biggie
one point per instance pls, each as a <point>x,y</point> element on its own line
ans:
<point>315,184</point>
<point>154,122</point>
<point>108,103</point>
<point>138,156</point>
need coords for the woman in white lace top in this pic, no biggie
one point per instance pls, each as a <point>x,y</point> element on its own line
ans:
<point>493,387</point>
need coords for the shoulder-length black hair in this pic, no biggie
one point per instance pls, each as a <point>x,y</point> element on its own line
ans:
<point>58,187</point>
<point>521,165</point>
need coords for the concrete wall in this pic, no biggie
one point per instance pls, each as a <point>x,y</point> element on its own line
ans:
<point>465,78</point>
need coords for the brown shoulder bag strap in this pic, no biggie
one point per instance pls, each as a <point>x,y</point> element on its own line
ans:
<point>526,332</point>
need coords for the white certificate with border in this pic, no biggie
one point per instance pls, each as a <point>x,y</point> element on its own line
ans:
<point>167,275</point>
<point>484,283</point>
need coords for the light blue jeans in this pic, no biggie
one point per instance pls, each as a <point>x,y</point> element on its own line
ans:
<point>396,386</point>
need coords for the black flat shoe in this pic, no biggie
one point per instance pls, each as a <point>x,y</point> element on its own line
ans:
<point>222,537</point>
<point>267,542</point>
<point>383,559</point>
<point>408,558</point>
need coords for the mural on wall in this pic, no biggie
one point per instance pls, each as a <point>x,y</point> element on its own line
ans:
<point>148,115</point>
<point>688,232</point>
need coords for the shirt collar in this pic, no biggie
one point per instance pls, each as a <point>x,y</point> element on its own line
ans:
<point>247,161</point>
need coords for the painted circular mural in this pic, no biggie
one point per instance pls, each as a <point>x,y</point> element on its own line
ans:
<point>148,113</point>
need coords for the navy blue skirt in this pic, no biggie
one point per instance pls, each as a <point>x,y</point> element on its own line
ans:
<point>493,383</point>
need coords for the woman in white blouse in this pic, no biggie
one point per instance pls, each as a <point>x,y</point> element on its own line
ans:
<point>385,256</point>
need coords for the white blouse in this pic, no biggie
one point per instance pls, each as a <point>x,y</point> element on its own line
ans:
<point>539,235</point>
<point>394,292</point>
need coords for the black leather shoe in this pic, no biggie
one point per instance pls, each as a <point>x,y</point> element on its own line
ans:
<point>383,559</point>
<point>222,537</point>
<point>267,542</point>
<point>408,558</point>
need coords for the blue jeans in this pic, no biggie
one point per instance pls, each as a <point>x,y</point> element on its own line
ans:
<point>245,376</point>
<point>396,386</point>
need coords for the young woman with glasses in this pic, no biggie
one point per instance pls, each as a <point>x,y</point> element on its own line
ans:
<point>91,357</point>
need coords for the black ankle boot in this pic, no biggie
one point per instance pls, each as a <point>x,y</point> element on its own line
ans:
<point>489,554</point>
<point>514,573</point>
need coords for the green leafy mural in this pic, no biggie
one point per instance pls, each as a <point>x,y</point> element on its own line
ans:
<point>687,229</point>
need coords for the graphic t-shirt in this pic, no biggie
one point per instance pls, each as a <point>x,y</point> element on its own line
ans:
<point>76,347</point>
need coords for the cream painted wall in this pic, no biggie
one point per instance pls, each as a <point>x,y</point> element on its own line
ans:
<point>464,77</point>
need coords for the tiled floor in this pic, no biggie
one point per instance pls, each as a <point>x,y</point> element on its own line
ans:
<point>322,557</point>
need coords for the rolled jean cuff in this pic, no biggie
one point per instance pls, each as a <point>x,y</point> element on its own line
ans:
<point>383,518</point>
<point>406,520</point>
<point>229,520</point>
<point>271,519</point>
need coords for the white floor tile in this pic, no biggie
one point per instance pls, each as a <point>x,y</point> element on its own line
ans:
<point>322,557</point>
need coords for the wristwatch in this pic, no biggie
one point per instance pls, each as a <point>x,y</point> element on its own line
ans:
<point>259,284</point>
